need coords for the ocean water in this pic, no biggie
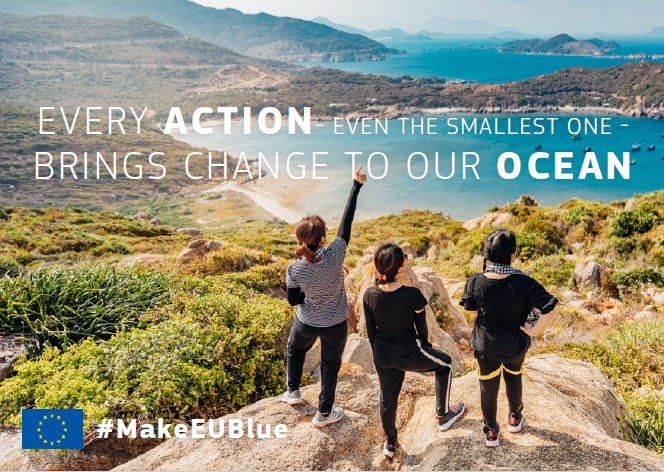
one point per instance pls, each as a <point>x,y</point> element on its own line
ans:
<point>455,59</point>
<point>461,198</point>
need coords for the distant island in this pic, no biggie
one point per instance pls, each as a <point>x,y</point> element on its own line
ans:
<point>563,44</point>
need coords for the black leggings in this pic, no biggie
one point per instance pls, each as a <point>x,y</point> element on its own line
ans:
<point>332,343</point>
<point>489,375</point>
<point>392,362</point>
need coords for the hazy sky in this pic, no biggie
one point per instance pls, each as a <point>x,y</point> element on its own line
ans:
<point>529,16</point>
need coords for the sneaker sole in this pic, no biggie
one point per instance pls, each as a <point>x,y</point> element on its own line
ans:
<point>299,402</point>
<point>515,429</point>
<point>449,424</point>
<point>321,425</point>
<point>388,453</point>
<point>495,443</point>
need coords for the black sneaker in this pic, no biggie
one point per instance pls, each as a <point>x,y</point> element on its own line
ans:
<point>514,423</point>
<point>390,449</point>
<point>453,413</point>
<point>492,438</point>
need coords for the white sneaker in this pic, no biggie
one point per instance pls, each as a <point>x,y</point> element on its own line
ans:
<point>335,415</point>
<point>292,398</point>
<point>515,423</point>
<point>390,449</point>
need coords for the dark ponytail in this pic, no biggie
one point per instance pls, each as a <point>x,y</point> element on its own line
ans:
<point>309,233</point>
<point>499,247</point>
<point>388,260</point>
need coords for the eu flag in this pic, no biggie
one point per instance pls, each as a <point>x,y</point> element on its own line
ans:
<point>52,429</point>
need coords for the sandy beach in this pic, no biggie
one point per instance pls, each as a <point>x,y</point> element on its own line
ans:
<point>261,198</point>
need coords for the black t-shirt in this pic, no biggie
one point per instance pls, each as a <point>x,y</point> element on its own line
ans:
<point>392,316</point>
<point>503,306</point>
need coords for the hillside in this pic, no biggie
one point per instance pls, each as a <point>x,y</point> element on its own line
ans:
<point>259,35</point>
<point>395,34</point>
<point>633,89</point>
<point>185,317</point>
<point>562,44</point>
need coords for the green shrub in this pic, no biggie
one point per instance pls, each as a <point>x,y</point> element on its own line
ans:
<point>636,277</point>
<point>59,307</point>
<point>260,278</point>
<point>219,351</point>
<point>637,221</point>
<point>9,266</point>
<point>577,215</point>
<point>421,244</point>
<point>228,258</point>
<point>3,214</point>
<point>632,356</point>
<point>527,244</point>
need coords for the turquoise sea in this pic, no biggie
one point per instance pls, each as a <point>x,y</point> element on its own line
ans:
<point>464,58</point>
<point>461,198</point>
<point>459,58</point>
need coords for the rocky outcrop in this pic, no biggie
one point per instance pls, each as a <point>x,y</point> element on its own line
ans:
<point>198,249</point>
<point>143,216</point>
<point>409,278</point>
<point>11,348</point>
<point>572,423</point>
<point>190,231</point>
<point>155,222</point>
<point>526,200</point>
<point>496,219</point>
<point>97,454</point>
<point>409,250</point>
<point>433,289</point>
<point>590,274</point>
<point>472,224</point>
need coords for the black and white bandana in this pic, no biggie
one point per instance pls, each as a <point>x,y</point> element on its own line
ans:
<point>535,314</point>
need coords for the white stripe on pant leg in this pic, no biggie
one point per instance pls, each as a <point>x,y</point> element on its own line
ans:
<point>438,361</point>
<point>447,397</point>
<point>433,358</point>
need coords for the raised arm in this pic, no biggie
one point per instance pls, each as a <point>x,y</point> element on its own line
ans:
<point>349,211</point>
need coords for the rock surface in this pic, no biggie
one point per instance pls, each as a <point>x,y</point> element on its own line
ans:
<point>97,454</point>
<point>190,231</point>
<point>495,219</point>
<point>198,249</point>
<point>571,424</point>
<point>590,274</point>
<point>11,348</point>
<point>434,291</point>
<point>409,250</point>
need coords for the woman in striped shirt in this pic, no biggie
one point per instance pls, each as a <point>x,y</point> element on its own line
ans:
<point>315,284</point>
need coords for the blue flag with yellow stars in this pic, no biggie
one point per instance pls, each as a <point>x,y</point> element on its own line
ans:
<point>52,429</point>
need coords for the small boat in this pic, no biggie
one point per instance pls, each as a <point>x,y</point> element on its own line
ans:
<point>636,147</point>
<point>662,157</point>
<point>576,136</point>
<point>632,162</point>
<point>651,147</point>
<point>587,149</point>
<point>538,147</point>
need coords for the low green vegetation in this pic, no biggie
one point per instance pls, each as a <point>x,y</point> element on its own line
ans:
<point>59,307</point>
<point>220,347</point>
<point>637,277</point>
<point>632,358</point>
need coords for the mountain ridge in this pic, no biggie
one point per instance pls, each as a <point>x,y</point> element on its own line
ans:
<point>261,35</point>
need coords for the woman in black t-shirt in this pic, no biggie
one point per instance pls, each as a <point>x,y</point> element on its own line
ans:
<point>397,330</point>
<point>511,307</point>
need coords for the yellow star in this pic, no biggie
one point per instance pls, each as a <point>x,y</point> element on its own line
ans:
<point>45,417</point>
<point>58,417</point>
<point>51,415</point>
<point>58,441</point>
<point>63,436</point>
<point>40,436</point>
<point>65,430</point>
<point>51,443</point>
<point>44,441</point>
<point>63,423</point>
<point>40,423</point>
<point>38,429</point>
